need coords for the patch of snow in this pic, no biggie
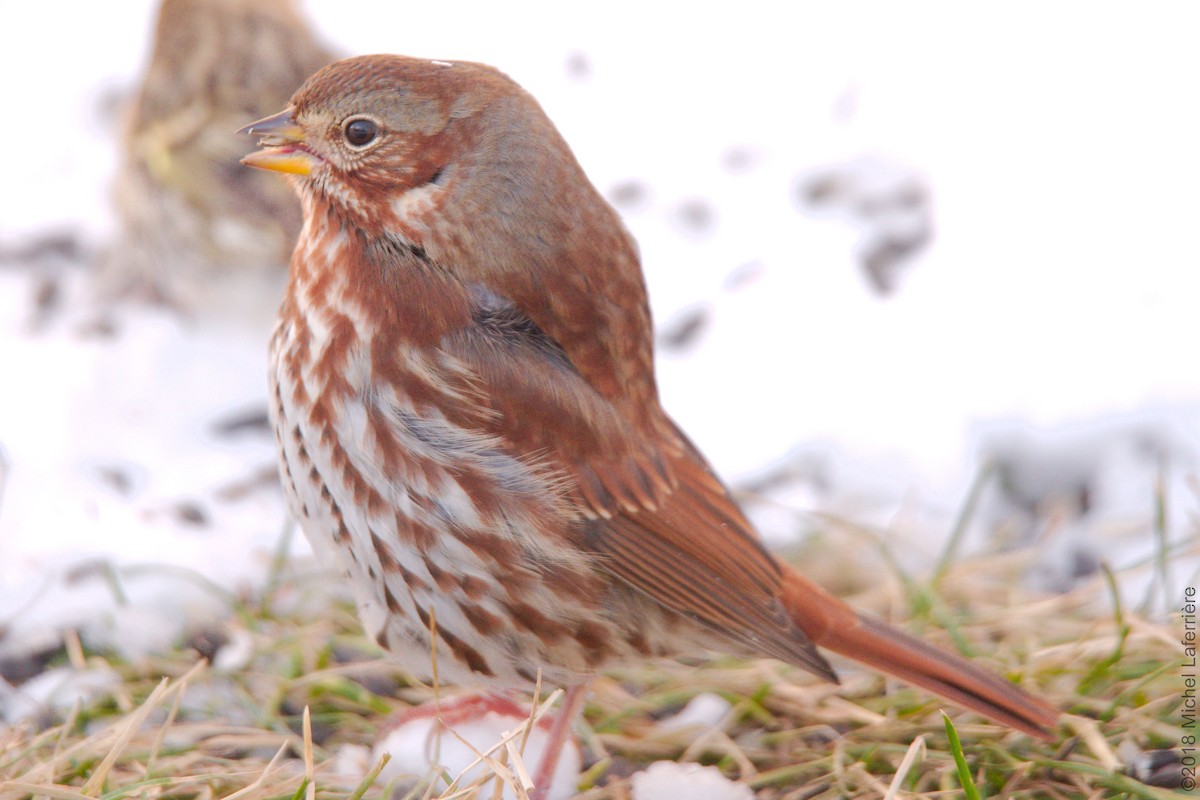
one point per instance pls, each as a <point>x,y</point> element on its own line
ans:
<point>57,689</point>
<point>703,712</point>
<point>669,780</point>
<point>422,741</point>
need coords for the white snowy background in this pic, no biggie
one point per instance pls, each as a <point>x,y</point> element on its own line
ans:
<point>1051,318</point>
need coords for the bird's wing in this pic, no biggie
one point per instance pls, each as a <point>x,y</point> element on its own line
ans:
<point>650,508</point>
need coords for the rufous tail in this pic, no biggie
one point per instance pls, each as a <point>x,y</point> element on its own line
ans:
<point>830,623</point>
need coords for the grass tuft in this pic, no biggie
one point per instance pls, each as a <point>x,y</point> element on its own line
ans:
<point>960,761</point>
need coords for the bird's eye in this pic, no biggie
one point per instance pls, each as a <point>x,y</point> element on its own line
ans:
<point>360,131</point>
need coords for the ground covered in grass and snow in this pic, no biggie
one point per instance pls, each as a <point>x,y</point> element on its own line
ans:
<point>286,698</point>
<point>893,253</point>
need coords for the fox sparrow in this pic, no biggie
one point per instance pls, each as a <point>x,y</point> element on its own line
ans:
<point>463,390</point>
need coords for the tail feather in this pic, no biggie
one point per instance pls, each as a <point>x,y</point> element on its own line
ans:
<point>832,624</point>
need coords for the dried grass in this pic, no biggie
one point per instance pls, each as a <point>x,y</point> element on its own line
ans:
<point>312,685</point>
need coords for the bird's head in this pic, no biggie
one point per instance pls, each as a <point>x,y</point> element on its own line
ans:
<point>385,140</point>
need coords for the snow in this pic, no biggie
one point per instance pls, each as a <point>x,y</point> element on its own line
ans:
<point>1058,291</point>
<point>703,712</point>
<point>664,779</point>
<point>59,689</point>
<point>417,743</point>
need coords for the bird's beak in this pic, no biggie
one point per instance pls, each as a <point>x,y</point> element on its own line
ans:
<point>284,143</point>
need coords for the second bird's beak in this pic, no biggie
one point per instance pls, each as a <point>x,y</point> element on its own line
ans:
<point>284,143</point>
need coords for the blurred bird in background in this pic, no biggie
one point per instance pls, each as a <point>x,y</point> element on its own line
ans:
<point>190,216</point>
